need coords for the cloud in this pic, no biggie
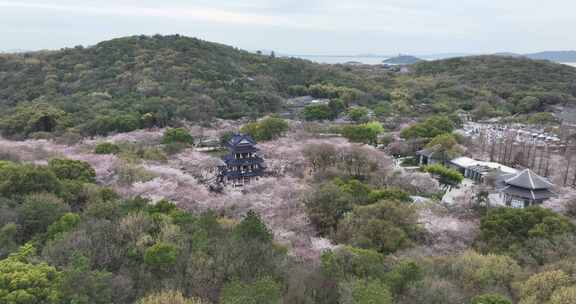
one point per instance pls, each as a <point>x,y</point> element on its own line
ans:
<point>197,13</point>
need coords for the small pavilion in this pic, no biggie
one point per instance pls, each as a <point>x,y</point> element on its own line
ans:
<point>242,163</point>
<point>524,189</point>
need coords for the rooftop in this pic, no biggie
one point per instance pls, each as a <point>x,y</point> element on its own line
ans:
<point>467,162</point>
<point>529,180</point>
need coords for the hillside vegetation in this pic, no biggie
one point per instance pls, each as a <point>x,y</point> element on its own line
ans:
<point>497,83</point>
<point>132,82</point>
<point>157,81</point>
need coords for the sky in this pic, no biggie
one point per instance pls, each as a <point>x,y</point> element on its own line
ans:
<point>323,27</point>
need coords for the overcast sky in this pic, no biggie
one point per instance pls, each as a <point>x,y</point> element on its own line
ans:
<point>300,26</point>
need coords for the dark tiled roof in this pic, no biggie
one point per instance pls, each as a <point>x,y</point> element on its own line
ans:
<point>241,139</point>
<point>528,180</point>
<point>426,152</point>
<point>530,194</point>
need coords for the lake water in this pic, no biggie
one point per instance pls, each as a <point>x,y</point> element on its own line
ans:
<point>364,60</point>
<point>344,59</point>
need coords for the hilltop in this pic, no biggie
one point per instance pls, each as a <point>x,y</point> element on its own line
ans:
<point>166,76</point>
<point>402,59</point>
<point>512,85</point>
<point>156,81</point>
<point>557,56</point>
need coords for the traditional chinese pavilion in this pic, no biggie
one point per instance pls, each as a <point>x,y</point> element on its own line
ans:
<point>524,189</point>
<point>242,163</point>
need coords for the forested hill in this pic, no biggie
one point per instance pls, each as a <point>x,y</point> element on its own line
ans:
<point>167,76</point>
<point>498,85</point>
<point>143,81</point>
<point>506,75</point>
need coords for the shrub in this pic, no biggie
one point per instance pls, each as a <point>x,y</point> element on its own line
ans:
<point>358,114</point>
<point>106,148</point>
<point>346,262</point>
<point>38,211</point>
<point>262,291</point>
<point>318,112</point>
<point>540,287</point>
<point>491,299</point>
<point>447,175</point>
<point>370,291</point>
<point>252,227</point>
<point>161,256</point>
<point>429,128</point>
<point>477,272</point>
<point>266,129</point>
<point>385,226</point>
<point>22,282</point>
<point>177,135</point>
<point>365,133</point>
<point>25,179</point>
<point>168,297</point>
<point>507,229</point>
<point>129,173</point>
<point>73,170</point>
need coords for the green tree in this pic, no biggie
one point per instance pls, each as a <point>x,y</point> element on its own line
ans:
<point>347,262</point>
<point>540,287</point>
<point>38,211</point>
<point>106,148</point>
<point>358,114</point>
<point>318,112</point>
<point>429,128</point>
<point>73,170</point>
<point>27,119</point>
<point>161,256</point>
<point>25,179</point>
<point>403,275</point>
<point>448,176</point>
<point>365,133</point>
<point>168,297</point>
<point>252,227</point>
<point>326,205</point>
<point>81,285</point>
<point>527,104</point>
<point>370,292</point>
<point>23,282</point>
<point>262,291</point>
<point>445,145</point>
<point>490,299</point>
<point>385,226</point>
<point>177,135</point>
<point>65,224</point>
<point>507,229</point>
<point>266,129</point>
<point>565,295</point>
<point>8,244</point>
<point>480,273</point>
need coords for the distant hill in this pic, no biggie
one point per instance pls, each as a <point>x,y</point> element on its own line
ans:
<point>144,81</point>
<point>557,56</point>
<point>171,77</point>
<point>501,72</point>
<point>402,59</point>
<point>508,54</point>
<point>505,82</point>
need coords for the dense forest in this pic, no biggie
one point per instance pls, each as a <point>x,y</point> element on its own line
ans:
<point>140,81</point>
<point>128,218</point>
<point>143,81</point>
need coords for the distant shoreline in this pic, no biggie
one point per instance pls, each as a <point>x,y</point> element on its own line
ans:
<point>371,60</point>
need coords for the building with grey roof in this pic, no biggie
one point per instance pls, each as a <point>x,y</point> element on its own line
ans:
<point>524,189</point>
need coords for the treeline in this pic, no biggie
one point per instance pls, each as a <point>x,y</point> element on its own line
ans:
<point>519,255</point>
<point>146,81</point>
<point>495,85</point>
<point>143,81</point>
